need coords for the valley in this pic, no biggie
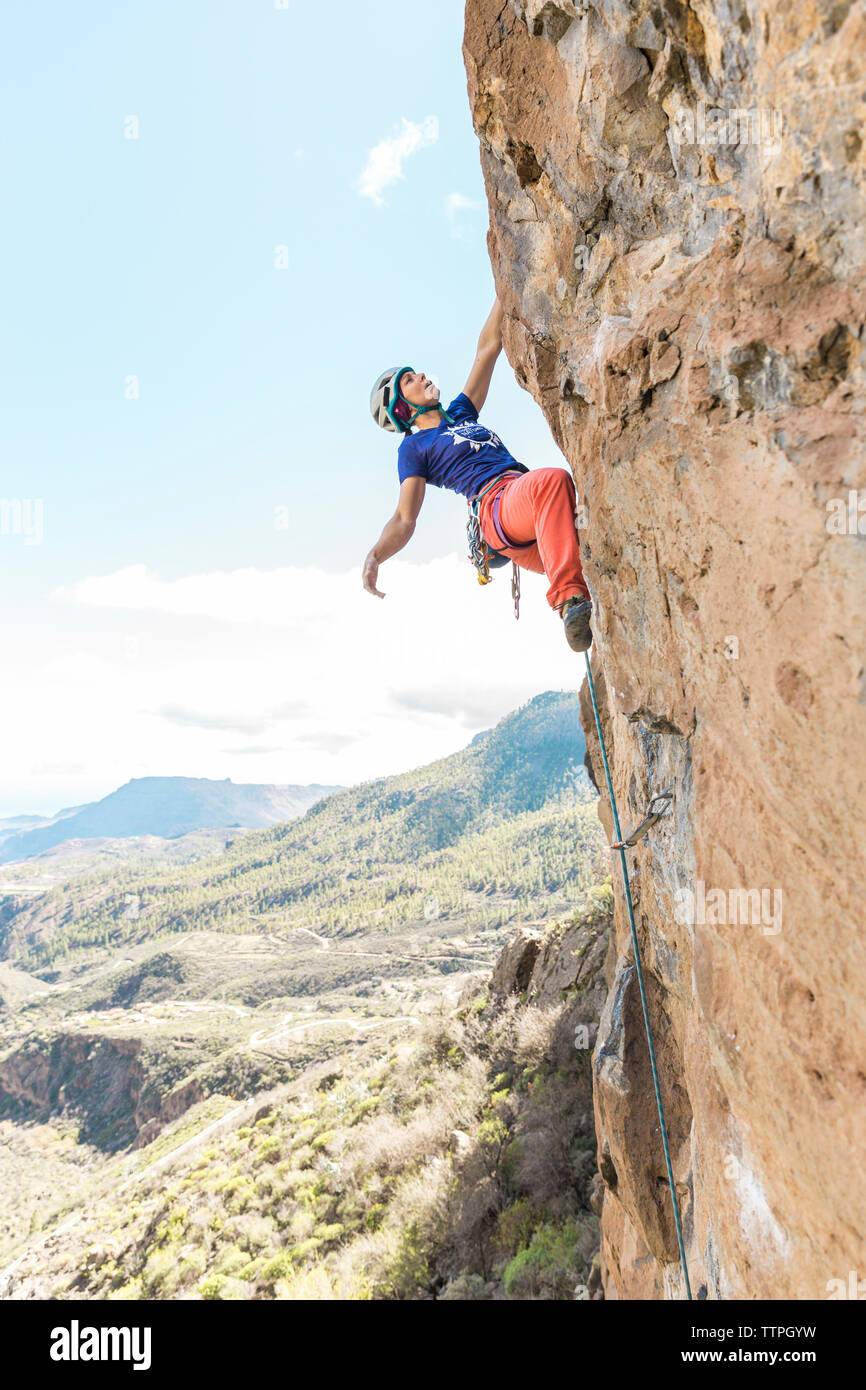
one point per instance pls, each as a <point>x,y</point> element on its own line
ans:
<point>331,946</point>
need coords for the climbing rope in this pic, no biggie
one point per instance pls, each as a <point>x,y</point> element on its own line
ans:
<point>620,845</point>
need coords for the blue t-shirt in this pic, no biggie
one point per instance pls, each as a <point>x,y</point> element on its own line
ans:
<point>463,456</point>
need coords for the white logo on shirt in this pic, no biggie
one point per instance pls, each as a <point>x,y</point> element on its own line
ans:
<point>475,435</point>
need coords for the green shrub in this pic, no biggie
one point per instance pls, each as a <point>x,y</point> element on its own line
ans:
<point>466,1288</point>
<point>549,1266</point>
<point>231,1260</point>
<point>239,1193</point>
<point>331,1232</point>
<point>366,1106</point>
<point>160,1267</point>
<point>173,1227</point>
<point>516,1226</point>
<point>308,1196</point>
<point>212,1286</point>
<point>599,899</point>
<point>132,1291</point>
<point>373,1218</point>
<point>193,1266</point>
<point>304,1248</point>
<point>410,1270</point>
<point>277,1267</point>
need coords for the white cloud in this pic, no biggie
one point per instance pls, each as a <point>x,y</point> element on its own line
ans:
<point>128,675</point>
<point>459,203</point>
<point>456,204</point>
<point>385,161</point>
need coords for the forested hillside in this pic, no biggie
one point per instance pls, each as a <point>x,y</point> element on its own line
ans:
<point>495,831</point>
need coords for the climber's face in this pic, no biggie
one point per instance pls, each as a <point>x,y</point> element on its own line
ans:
<point>418,389</point>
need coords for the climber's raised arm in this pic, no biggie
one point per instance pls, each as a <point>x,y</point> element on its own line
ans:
<point>489,348</point>
<point>396,533</point>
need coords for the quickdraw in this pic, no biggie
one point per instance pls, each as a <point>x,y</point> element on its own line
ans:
<point>659,806</point>
<point>479,551</point>
<point>515,588</point>
<point>482,555</point>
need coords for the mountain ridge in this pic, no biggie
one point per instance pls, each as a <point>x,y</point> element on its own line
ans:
<point>166,807</point>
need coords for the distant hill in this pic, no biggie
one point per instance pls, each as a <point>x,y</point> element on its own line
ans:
<point>161,806</point>
<point>9,824</point>
<point>503,831</point>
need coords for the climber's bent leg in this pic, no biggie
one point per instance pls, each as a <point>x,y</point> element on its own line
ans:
<point>540,506</point>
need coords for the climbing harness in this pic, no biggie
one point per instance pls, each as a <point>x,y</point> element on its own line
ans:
<point>482,555</point>
<point>621,844</point>
<point>658,807</point>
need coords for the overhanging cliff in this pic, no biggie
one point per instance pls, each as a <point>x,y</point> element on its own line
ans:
<point>676,227</point>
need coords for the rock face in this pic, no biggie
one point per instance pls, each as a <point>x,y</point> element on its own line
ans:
<point>676,231</point>
<point>513,970</point>
<point>105,1082</point>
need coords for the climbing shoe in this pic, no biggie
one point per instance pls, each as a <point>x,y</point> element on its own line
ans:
<point>576,613</point>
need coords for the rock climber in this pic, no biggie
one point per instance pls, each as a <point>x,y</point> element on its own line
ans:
<point>527,516</point>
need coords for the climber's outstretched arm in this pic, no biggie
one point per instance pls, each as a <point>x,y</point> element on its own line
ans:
<point>489,348</point>
<point>396,533</point>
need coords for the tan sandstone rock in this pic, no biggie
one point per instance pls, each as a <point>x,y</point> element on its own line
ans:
<point>676,232</point>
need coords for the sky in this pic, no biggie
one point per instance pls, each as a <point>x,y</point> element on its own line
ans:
<point>223,220</point>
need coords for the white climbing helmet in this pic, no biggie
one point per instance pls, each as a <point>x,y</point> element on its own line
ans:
<point>387,406</point>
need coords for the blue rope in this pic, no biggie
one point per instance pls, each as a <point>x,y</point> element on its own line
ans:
<point>639,969</point>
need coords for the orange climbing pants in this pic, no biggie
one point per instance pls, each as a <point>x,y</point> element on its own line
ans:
<point>537,512</point>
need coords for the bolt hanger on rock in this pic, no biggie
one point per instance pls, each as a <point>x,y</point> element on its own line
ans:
<point>659,806</point>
